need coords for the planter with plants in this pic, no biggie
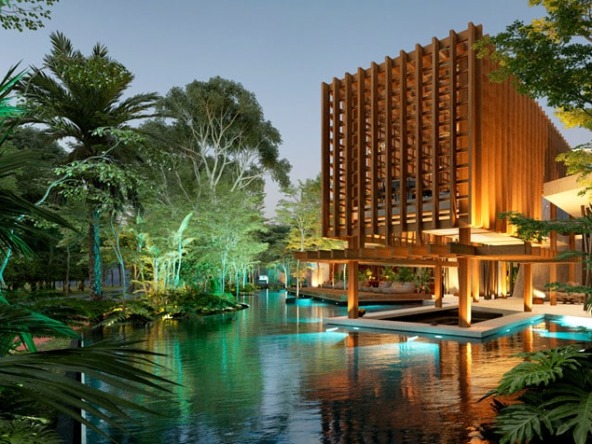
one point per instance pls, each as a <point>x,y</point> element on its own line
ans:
<point>403,281</point>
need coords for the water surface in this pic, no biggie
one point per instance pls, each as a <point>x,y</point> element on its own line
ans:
<point>273,374</point>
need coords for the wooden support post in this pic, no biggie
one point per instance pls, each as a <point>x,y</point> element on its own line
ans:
<point>352,289</point>
<point>475,276</point>
<point>553,278</point>
<point>572,265</point>
<point>464,281</point>
<point>502,282</point>
<point>438,285</point>
<point>527,287</point>
<point>553,267</point>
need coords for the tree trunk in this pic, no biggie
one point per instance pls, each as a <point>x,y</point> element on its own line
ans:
<point>67,281</point>
<point>95,272</point>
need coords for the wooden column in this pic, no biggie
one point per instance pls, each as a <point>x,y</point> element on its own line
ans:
<point>475,275</point>
<point>464,281</point>
<point>438,285</point>
<point>352,289</point>
<point>553,278</point>
<point>553,267</point>
<point>572,266</point>
<point>527,287</point>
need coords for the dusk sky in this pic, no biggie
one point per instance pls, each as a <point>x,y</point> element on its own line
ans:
<point>280,50</point>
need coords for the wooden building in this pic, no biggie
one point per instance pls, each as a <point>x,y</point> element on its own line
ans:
<point>420,155</point>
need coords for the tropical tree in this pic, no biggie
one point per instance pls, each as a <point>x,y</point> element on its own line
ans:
<point>31,379</point>
<point>12,218</point>
<point>301,211</point>
<point>218,127</point>
<point>550,58</point>
<point>80,98</point>
<point>228,233</point>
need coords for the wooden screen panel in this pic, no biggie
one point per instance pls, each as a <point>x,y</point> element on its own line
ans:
<point>425,141</point>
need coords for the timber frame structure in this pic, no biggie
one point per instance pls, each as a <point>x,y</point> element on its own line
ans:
<point>420,155</point>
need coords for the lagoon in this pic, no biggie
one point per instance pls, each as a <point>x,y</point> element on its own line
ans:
<point>273,373</point>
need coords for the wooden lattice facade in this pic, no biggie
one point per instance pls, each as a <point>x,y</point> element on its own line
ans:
<point>425,141</point>
<point>420,155</point>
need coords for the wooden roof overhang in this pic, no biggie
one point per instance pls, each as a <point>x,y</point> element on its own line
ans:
<point>431,255</point>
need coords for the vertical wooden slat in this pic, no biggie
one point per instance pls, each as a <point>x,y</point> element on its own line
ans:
<point>348,155</point>
<point>553,244</point>
<point>361,150</point>
<point>374,147</point>
<point>453,142</point>
<point>435,223</point>
<point>388,147</point>
<point>403,142</point>
<point>327,224</point>
<point>418,152</point>
<point>474,111</point>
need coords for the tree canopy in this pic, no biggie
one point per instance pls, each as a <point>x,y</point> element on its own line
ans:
<point>219,128</point>
<point>81,98</point>
<point>550,58</point>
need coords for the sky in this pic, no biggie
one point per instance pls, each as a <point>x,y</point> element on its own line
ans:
<point>280,50</point>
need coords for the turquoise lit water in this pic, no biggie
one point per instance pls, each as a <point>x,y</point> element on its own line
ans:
<point>274,374</point>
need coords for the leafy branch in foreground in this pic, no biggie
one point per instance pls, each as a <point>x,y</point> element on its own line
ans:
<point>42,377</point>
<point>552,392</point>
<point>15,16</point>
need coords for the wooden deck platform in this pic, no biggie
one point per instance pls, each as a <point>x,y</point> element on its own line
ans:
<point>339,296</point>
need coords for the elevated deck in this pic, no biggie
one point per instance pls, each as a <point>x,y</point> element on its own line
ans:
<point>339,296</point>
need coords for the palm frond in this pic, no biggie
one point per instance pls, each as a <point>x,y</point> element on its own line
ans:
<point>42,377</point>
<point>17,321</point>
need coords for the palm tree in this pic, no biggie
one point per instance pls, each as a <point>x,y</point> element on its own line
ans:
<point>78,97</point>
<point>31,379</point>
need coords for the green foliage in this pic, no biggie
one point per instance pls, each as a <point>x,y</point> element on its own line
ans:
<point>301,212</point>
<point>219,128</point>
<point>549,58</point>
<point>28,431</point>
<point>80,97</point>
<point>190,303</point>
<point>554,394</point>
<point>536,230</point>
<point>404,274</point>
<point>132,312</point>
<point>388,274</point>
<point>15,15</point>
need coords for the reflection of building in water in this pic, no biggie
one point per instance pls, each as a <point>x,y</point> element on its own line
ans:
<point>405,390</point>
<point>420,155</point>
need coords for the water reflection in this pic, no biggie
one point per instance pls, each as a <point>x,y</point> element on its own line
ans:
<point>273,374</point>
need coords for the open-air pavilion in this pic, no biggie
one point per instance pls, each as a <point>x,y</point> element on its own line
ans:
<point>420,155</point>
